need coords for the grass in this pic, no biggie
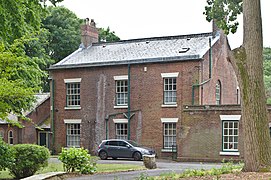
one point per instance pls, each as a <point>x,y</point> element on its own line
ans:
<point>55,167</point>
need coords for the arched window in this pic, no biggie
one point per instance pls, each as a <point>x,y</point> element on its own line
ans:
<point>1,134</point>
<point>10,137</point>
<point>218,93</point>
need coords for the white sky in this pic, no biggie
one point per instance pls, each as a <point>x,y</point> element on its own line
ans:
<point>132,19</point>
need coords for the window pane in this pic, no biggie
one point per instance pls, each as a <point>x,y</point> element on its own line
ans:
<point>230,136</point>
<point>169,135</point>
<point>73,94</point>
<point>170,91</point>
<point>73,135</point>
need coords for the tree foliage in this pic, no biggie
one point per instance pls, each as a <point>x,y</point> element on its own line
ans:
<point>64,28</point>
<point>65,36</point>
<point>225,13</point>
<point>267,72</point>
<point>105,35</point>
<point>19,18</point>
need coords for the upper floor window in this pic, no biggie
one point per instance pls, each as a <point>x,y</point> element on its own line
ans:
<point>10,137</point>
<point>170,88</point>
<point>73,92</point>
<point>121,90</point>
<point>218,93</point>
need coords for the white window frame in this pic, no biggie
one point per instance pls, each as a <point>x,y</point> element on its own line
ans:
<point>218,92</point>
<point>76,102</point>
<point>230,119</point>
<point>118,123</point>
<point>10,137</point>
<point>173,122</point>
<point>75,136</point>
<point>167,76</point>
<point>123,79</point>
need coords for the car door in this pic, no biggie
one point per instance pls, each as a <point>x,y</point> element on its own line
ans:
<point>112,148</point>
<point>125,150</point>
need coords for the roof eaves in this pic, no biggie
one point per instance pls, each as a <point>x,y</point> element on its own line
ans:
<point>134,61</point>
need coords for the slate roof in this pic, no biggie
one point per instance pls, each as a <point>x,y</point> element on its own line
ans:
<point>135,51</point>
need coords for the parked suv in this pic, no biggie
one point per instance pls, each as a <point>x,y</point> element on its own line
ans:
<point>118,148</point>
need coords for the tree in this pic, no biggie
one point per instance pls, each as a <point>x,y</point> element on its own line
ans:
<point>20,57</point>
<point>247,61</point>
<point>64,28</point>
<point>105,35</point>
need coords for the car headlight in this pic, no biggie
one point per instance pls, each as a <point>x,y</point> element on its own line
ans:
<point>144,151</point>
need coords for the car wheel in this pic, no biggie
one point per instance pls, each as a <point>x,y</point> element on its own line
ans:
<point>137,156</point>
<point>103,155</point>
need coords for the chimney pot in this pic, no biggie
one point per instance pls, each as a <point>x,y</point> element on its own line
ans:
<point>89,33</point>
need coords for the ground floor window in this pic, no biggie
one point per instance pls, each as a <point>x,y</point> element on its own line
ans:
<point>10,137</point>
<point>121,130</point>
<point>169,135</point>
<point>73,135</point>
<point>230,135</point>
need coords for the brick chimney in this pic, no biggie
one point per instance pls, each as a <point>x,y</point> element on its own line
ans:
<point>89,33</point>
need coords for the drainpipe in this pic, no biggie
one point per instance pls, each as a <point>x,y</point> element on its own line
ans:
<point>53,113</point>
<point>129,102</point>
<point>106,127</point>
<point>210,73</point>
<point>210,58</point>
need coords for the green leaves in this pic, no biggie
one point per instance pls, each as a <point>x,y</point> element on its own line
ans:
<point>224,13</point>
<point>77,159</point>
<point>105,35</point>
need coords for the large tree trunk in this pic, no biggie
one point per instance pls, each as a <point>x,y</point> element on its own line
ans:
<point>249,62</point>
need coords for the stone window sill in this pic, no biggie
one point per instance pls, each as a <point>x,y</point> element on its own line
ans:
<point>169,105</point>
<point>120,107</point>
<point>72,107</point>
<point>236,153</point>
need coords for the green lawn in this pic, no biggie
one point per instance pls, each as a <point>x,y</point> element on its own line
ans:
<point>55,167</point>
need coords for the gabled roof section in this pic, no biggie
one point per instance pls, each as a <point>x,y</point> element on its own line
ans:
<point>40,98</point>
<point>137,51</point>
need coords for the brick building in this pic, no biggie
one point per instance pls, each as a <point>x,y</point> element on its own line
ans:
<point>37,131</point>
<point>143,90</point>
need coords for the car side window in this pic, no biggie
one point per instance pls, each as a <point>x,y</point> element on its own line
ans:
<point>113,143</point>
<point>122,143</point>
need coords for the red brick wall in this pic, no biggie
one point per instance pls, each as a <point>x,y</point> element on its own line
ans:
<point>38,115</point>
<point>221,70</point>
<point>5,128</point>
<point>200,133</point>
<point>98,100</point>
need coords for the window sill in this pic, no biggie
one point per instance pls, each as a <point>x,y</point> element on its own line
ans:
<point>169,105</point>
<point>236,153</point>
<point>167,150</point>
<point>120,107</point>
<point>72,107</point>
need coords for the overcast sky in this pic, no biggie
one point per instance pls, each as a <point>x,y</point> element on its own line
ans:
<point>132,19</point>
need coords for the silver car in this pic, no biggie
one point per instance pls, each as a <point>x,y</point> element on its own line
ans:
<point>118,148</point>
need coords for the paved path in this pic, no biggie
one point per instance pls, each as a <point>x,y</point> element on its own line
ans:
<point>162,167</point>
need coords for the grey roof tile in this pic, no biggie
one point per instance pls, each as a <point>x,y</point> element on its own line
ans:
<point>146,50</point>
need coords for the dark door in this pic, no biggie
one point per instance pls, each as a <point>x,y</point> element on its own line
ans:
<point>43,139</point>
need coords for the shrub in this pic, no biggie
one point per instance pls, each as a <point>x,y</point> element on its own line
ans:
<point>29,158</point>
<point>6,155</point>
<point>77,159</point>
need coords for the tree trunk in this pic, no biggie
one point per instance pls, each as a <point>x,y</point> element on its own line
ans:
<point>249,61</point>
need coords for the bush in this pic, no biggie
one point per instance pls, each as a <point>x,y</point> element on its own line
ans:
<point>29,158</point>
<point>77,159</point>
<point>6,155</point>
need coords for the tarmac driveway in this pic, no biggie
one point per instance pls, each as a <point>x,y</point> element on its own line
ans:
<point>163,166</point>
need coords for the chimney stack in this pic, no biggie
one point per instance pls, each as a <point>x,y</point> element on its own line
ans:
<point>89,33</point>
